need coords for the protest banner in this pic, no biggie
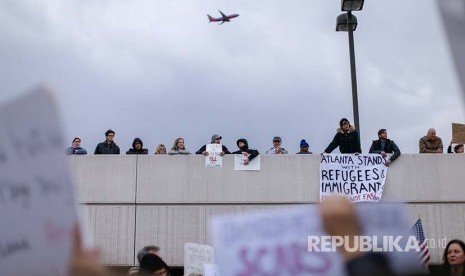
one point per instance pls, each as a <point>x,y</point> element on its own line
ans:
<point>277,241</point>
<point>253,165</point>
<point>458,133</point>
<point>214,159</point>
<point>357,177</point>
<point>195,257</point>
<point>37,205</point>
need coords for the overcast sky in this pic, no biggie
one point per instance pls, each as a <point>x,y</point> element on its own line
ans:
<point>158,70</point>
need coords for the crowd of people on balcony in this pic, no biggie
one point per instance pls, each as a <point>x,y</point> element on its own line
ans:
<point>346,139</point>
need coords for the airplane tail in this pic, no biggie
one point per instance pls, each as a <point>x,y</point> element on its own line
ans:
<point>210,18</point>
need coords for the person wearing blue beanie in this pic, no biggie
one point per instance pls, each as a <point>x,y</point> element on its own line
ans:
<point>304,147</point>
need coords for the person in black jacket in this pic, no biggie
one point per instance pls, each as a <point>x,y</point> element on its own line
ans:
<point>109,146</point>
<point>216,139</point>
<point>137,147</point>
<point>244,149</point>
<point>384,146</point>
<point>346,138</point>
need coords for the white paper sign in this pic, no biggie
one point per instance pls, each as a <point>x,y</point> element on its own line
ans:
<point>214,159</point>
<point>275,242</point>
<point>253,165</point>
<point>357,177</point>
<point>195,257</point>
<point>37,205</point>
<point>211,270</point>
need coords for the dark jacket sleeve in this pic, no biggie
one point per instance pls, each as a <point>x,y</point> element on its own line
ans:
<point>373,148</point>
<point>396,151</point>
<point>97,149</point>
<point>334,144</point>
<point>201,150</point>
<point>253,154</point>
<point>225,149</point>
<point>117,149</point>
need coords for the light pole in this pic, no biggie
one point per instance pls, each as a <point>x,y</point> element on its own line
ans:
<point>346,22</point>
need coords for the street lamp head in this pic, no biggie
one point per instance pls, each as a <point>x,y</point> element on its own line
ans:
<point>352,5</point>
<point>343,22</point>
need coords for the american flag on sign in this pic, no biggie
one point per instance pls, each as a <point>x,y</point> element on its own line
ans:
<point>417,231</point>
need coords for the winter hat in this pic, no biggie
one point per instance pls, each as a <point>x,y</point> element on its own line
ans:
<point>137,141</point>
<point>342,121</point>
<point>303,143</point>
<point>243,141</point>
<point>216,136</point>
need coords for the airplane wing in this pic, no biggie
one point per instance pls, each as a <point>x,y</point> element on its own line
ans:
<point>223,15</point>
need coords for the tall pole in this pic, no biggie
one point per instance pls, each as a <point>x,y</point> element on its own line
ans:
<point>353,73</point>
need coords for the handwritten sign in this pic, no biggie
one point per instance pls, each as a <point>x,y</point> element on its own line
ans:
<point>37,206</point>
<point>195,257</point>
<point>253,165</point>
<point>276,242</point>
<point>272,243</point>
<point>358,177</point>
<point>214,159</point>
<point>458,133</point>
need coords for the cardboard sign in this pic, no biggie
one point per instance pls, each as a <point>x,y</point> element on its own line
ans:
<point>195,257</point>
<point>214,159</point>
<point>357,177</point>
<point>253,165</point>
<point>37,205</point>
<point>458,133</point>
<point>276,241</point>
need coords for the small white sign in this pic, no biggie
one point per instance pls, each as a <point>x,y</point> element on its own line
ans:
<point>195,257</point>
<point>214,159</point>
<point>253,165</point>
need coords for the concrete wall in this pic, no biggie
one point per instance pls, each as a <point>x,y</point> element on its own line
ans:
<point>133,201</point>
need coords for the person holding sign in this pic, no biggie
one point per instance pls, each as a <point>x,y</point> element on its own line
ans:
<point>76,147</point>
<point>346,138</point>
<point>249,154</point>
<point>384,146</point>
<point>109,146</point>
<point>277,149</point>
<point>431,143</point>
<point>216,139</point>
<point>457,148</point>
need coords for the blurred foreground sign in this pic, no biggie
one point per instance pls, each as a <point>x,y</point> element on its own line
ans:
<point>37,207</point>
<point>276,241</point>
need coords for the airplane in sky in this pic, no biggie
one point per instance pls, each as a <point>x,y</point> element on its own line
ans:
<point>223,18</point>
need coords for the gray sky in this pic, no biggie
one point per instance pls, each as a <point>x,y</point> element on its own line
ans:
<point>158,70</point>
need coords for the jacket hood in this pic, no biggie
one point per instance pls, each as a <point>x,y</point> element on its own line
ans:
<point>351,129</point>
<point>137,140</point>
<point>243,141</point>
